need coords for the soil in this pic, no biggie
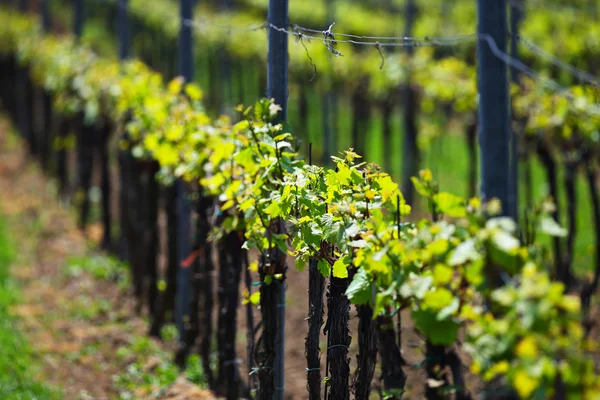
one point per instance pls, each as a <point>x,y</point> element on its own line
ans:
<point>77,348</point>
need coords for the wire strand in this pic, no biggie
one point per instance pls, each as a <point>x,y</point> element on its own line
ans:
<point>581,75</point>
<point>526,6</point>
<point>396,38</point>
<point>519,65</point>
<point>403,41</point>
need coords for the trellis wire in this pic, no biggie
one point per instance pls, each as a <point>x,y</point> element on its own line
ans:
<point>454,41</point>
<point>581,75</point>
<point>549,5</point>
<point>423,41</point>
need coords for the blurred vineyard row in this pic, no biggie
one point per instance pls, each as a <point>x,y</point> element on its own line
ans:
<point>409,114</point>
<point>478,286</point>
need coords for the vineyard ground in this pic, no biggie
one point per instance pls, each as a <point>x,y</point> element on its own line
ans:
<point>18,364</point>
<point>72,309</point>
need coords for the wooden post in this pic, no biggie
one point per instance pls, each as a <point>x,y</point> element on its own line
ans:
<point>494,116</point>
<point>277,88</point>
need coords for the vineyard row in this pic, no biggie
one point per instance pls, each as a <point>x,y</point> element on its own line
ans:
<point>474,290</point>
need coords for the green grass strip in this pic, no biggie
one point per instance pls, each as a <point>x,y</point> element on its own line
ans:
<point>17,361</point>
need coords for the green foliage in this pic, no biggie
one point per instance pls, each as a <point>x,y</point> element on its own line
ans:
<point>443,270</point>
<point>532,335</point>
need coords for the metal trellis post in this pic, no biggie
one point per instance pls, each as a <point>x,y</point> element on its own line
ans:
<point>46,21</point>
<point>124,156</point>
<point>186,67</point>
<point>329,102</point>
<point>410,159</point>
<point>277,88</point>
<point>124,29</point>
<point>515,19</point>
<point>44,131</point>
<point>78,19</point>
<point>494,115</point>
<point>277,67</point>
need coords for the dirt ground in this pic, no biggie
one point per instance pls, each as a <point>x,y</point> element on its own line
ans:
<point>77,344</point>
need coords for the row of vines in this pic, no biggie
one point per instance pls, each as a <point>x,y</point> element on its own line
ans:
<point>372,86</point>
<point>417,81</point>
<point>480,291</point>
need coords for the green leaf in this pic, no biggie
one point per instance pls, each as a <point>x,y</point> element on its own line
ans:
<point>438,247</point>
<point>388,189</point>
<point>352,230</point>
<point>343,174</point>
<point>255,298</point>
<point>274,209</point>
<point>474,272</point>
<point>261,109</point>
<point>301,262</point>
<point>550,227</point>
<point>442,274</point>
<point>505,241</point>
<point>282,136</point>
<point>450,310</point>
<point>464,252</point>
<point>324,268</point>
<point>359,290</point>
<point>450,205</point>
<point>382,300</point>
<point>283,144</point>
<point>443,333</point>
<point>419,187</point>
<point>340,267</point>
<point>245,157</point>
<point>504,223</point>
<point>311,234</point>
<point>333,230</point>
<point>417,286</point>
<point>240,126</point>
<point>358,243</point>
<point>438,299</point>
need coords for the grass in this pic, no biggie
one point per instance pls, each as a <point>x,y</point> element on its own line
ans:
<point>18,364</point>
<point>146,368</point>
<point>101,267</point>
<point>140,368</point>
<point>151,376</point>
